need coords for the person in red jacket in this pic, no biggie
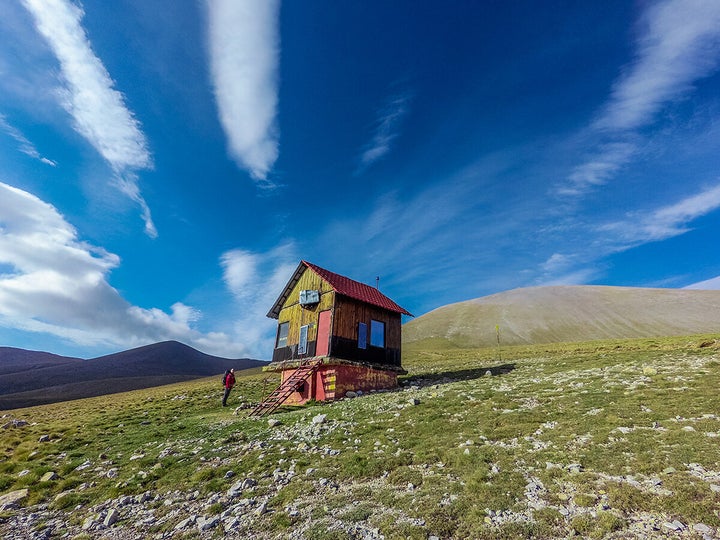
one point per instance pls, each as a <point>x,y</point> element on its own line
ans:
<point>229,383</point>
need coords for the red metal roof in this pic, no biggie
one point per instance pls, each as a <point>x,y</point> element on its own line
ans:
<point>354,289</point>
<point>341,285</point>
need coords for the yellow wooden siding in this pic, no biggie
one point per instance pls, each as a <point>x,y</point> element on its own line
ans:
<point>298,315</point>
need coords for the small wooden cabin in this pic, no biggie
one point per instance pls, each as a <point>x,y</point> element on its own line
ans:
<point>348,330</point>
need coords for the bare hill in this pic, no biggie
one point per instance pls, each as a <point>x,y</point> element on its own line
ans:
<point>36,378</point>
<point>568,313</point>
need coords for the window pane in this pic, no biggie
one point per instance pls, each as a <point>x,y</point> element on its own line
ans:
<point>362,335</point>
<point>377,334</point>
<point>282,335</point>
<point>302,345</point>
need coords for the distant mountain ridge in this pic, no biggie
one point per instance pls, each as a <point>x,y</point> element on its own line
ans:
<point>568,313</point>
<point>30,378</point>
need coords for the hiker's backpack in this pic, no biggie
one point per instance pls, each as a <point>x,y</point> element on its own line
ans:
<point>224,379</point>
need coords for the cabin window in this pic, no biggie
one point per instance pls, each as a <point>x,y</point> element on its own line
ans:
<point>302,344</point>
<point>362,335</point>
<point>377,334</point>
<point>282,335</point>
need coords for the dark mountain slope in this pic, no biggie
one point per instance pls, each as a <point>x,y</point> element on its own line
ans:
<point>12,360</point>
<point>33,378</point>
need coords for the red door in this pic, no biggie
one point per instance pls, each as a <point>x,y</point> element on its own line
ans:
<point>322,348</point>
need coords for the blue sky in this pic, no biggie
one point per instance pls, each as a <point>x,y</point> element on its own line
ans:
<point>165,165</point>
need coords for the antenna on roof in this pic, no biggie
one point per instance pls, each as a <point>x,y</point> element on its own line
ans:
<point>377,283</point>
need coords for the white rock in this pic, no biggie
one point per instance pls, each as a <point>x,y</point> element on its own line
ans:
<point>207,523</point>
<point>11,500</point>
<point>702,528</point>
<point>112,516</point>
<point>49,476</point>
<point>186,523</point>
<point>319,419</point>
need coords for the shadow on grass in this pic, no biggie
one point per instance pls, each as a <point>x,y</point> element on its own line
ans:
<point>446,377</point>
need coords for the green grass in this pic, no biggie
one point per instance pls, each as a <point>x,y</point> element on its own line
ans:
<point>458,465</point>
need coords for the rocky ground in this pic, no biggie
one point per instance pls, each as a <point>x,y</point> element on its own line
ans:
<point>290,498</point>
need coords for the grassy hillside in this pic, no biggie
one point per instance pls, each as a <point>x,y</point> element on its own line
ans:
<point>567,314</point>
<point>611,439</point>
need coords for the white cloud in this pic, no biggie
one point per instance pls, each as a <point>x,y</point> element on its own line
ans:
<point>386,130</point>
<point>255,281</point>
<point>662,223</point>
<point>244,48</point>
<point>678,44</point>
<point>52,282</point>
<point>708,284</point>
<point>88,95</point>
<point>25,146</point>
<point>601,168</point>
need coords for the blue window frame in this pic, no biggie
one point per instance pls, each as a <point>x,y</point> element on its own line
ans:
<point>362,335</point>
<point>377,334</point>
<point>302,344</point>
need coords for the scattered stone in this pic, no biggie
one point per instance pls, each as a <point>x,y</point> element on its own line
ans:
<point>112,516</point>
<point>649,371</point>
<point>241,485</point>
<point>89,523</point>
<point>319,419</point>
<point>702,528</point>
<point>186,523</point>
<point>673,525</point>
<point>44,438</point>
<point>272,422</point>
<point>112,473</point>
<point>24,472</point>
<point>84,465</point>
<point>350,394</point>
<point>260,510</point>
<point>13,499</point>
<point>414,401</point>
<point>49,477</point>
<point>715,488</point>
<point>229,475</point>
<point>207,523</point>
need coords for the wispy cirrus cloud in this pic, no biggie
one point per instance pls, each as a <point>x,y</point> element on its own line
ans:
<point>678,44</point>
<point>255,279</point>
<point>662,223</point>
<point>386,130</point>
<point>52,282</point>
<point>88,94</point>
<point>24,144</point>
<point>244,46</point>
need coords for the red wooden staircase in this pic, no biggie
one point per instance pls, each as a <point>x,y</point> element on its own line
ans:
<point>278,396</point>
